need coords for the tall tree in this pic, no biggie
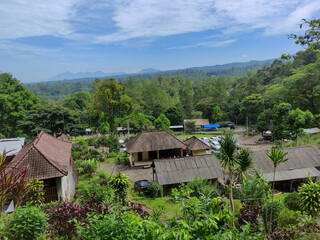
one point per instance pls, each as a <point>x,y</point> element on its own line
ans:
<point>228,160</point>
<point>162,123</point>
<point>110,100</point>
<point>77,101</point>
<point>277,157</point>
<point>15,99</point>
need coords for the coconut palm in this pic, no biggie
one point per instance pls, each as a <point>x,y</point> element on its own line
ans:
<point>228,160</point>
<point>277,157</point>
<point>245,162</point>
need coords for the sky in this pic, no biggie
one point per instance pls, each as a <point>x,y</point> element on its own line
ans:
<point>39,39</point>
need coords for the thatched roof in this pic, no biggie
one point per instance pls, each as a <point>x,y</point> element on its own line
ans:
<point>301,160</point>
<point>153,141</point>
<point>195,143</point>
<point>46,157</point>
<point>182,170</point>
<point>198,122</point>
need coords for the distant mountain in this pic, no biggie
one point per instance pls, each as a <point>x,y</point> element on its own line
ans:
<point>236,68</point>
<point>148,70</point>
<point>70,75</point>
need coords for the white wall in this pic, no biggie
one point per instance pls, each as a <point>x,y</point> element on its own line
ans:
<point>66,185</point>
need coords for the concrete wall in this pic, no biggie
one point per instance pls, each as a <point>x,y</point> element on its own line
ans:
<point>66,185</point>
<point>199,152</point>
<point>134,156</point>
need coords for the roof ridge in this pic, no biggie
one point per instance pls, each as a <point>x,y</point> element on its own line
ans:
<point>176,138</point>
<point>38,137</point>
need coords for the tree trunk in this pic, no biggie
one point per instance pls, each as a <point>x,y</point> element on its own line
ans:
<point>230,193</point>
<point>274,178</point>
<point>230,186</point>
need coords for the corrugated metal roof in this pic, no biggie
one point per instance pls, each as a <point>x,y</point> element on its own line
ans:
<point>292,174</point>
<point>153,141</point>
<point>298,158</point>
<point>181,170</point>
<point>176,126</point>
<point>311,130</point>
<point>14,145</point>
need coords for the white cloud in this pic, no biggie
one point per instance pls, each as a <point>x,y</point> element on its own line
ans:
<point>207,44</point>
<point>110,21</point>
<point>36,18</point>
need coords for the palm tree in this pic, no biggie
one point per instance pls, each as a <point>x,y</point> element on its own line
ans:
<point>277,157</point>
<point>228,160</point>
<point>245,162</point>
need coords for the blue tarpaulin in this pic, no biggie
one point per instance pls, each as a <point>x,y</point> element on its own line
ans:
<point>211,126</point>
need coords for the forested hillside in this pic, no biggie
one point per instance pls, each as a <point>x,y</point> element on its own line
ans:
<point>283,97</point>
<point>58,90</point>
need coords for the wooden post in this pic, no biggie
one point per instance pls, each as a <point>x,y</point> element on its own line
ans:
<point>290,186</point>
<point>158,154</point>
<point>181,153</point>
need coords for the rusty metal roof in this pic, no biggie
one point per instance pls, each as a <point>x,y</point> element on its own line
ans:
<point>182,170</point>
<point>153,141</point>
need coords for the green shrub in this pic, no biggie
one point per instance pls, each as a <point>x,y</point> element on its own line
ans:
<point>292,201</point>
<point>103,175</point>
<point>93,191</point>
<point>236,192</point>
<point>209,192</point>
<point>254,189</point>
<point>128,225</point>
<point>27,223</point>
<point>181,193</point>
<point>288,218</point>
<point>309,195</point>
<point>154,190</point>
<point>197,184</point>
<point>89,166</point>
<point>276,210</point>
<point>225,124</point>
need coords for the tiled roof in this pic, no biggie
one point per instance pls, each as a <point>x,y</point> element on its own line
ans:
<point>46,156</point>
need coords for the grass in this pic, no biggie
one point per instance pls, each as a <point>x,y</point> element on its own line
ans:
<point>169,209</point>
<point>305,140</point>
<point>279,197</point>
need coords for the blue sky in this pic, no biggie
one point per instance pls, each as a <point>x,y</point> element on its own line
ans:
<point>39,38</point>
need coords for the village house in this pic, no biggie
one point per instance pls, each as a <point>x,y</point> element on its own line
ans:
<point>196,147</point>
<point>49,159</point>
<point>171,172</point>
<point>301,162</point>
<point>154,145</point>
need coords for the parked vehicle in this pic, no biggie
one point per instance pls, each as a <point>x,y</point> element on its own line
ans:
<point>215,145</point>
<point>141,186</point>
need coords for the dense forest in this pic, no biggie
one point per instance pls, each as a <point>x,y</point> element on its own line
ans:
<point>57,90</point>
<point>283,97</point>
